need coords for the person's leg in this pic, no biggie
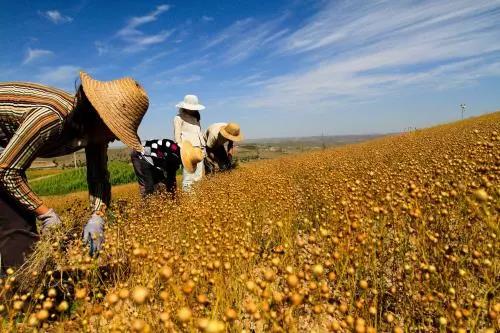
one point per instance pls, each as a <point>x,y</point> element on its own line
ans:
<point>138,169</point>
<point>145,174</point>
<point>170,178</point>
<point>159,180</point>
<point>187,180</point>
<point>198,173</point>
<point>18,233</point>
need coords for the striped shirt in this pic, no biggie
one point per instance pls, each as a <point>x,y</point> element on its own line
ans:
<point>32,119</point>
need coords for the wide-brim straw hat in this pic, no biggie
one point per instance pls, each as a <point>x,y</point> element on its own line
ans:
<point>190,102</point>
<point>121,104</point>
<point>190,156</point>
<point>232,132</point>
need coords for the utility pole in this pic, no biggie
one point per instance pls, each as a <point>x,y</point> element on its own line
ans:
<point>463,106</point>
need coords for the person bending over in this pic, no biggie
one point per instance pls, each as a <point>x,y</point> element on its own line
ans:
<point>220,139</point>
<point>157,164</point>
<point>40,121</point>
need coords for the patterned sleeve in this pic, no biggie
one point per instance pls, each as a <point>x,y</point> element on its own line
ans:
<point>37,127</point>
<point>98,177</point>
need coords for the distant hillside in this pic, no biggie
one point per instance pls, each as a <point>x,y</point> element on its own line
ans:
<point>266,148</point>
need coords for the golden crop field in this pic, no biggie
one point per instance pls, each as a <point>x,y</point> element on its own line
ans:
<point>399,234</point>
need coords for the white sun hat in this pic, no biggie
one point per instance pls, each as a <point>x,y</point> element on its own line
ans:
<point>190,102</point>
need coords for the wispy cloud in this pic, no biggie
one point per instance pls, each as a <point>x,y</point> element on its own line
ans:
<point>55,16</point>
<point>244,38</point>
<point>137,40</point>
<point>187,68</point>
<point>178,80</point>
<point>206,18</point>
<point>357,52</point>
<point>154,58</point>
<point>61,76</point>
<point>36,54</point>
<point>102,48</point>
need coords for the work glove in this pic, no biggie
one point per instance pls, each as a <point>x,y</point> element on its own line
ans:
<point>49,220</point>
<point>93,234</point>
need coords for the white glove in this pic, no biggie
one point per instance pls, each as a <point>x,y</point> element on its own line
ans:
<point>93,234</point>
<point>49,220</point>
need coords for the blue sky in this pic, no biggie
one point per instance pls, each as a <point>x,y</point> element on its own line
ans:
<point>279,68</point>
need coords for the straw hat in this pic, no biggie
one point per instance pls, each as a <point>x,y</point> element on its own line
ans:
<point>190,102</point>
<point>121,104</point>
<point>190,156</point>
<point>232,132</point>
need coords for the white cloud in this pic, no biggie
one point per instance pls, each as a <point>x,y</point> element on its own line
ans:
<point>356,50</point>
<point>142,42</point>
<point>61,76</point>
<point>56,17</point>
<point>244,38</point>
<point>102,48</point>
<point>137,40</point>
<point>206,18</point>
<point>178,80</point>
<point>149,60</point>
<point>131,28</point>
<point>187,67</point>
<point>36,54</point>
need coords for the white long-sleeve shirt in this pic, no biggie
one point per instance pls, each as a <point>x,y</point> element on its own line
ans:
<point>212,137</point>
<point>187,127</point>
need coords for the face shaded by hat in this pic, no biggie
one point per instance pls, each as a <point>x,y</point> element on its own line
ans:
<point>121,104</point>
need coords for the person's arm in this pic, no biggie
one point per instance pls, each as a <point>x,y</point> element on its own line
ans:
<point>211,137</point>
<point>206,137</point>
<point>99,195</point>
<point>230,149</point>
<point>98,177</point>
<point>37,128</point>
<point>178,129</point>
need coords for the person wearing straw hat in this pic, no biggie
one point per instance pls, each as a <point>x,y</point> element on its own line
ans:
<point>157,164</point>
<point>187,128</point>
<point>41,121</point>
<point>220,139</point>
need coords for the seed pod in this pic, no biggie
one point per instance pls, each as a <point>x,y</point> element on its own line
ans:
<point>292,281</point>
<point>318,269</point>
<point>166,272</point>
<point>231,314</point>
<point>42,315</point>
<point>214,326</point>
<point>481,195</point>
<point>184,314</point>
<point>139,294</point>
<point>81,293</point>
<point>363,284</point>
<point>123,293</point>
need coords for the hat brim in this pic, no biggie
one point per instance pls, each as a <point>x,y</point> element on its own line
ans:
<point>98,93</point>
<point>231,137</point>
<point>186,152</point>
<point>193,107</point>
